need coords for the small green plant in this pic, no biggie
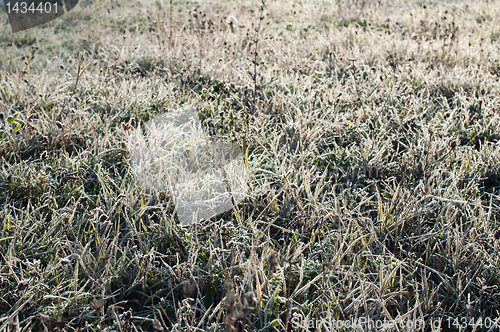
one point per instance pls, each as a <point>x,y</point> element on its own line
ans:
<point>14,121</point>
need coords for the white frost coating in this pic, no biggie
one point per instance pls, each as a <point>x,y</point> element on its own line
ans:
<point>231,19</point>
<point>204,177</point>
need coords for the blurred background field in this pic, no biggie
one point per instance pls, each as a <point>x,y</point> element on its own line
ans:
<point>371,138</point>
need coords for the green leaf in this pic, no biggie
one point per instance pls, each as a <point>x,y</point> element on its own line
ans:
<point>12,118</point>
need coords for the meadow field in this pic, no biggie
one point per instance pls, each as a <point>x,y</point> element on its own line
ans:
<point>371,137</point>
